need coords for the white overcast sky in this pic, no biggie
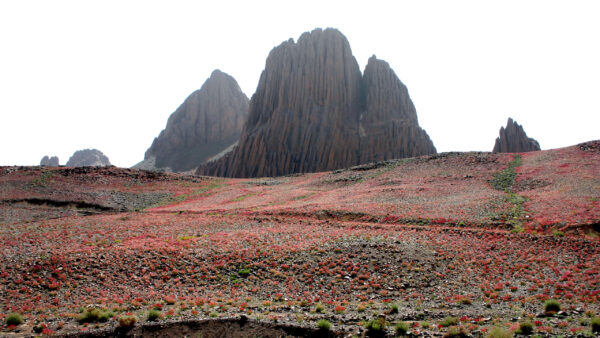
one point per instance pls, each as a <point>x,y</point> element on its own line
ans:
<point>107,74</point>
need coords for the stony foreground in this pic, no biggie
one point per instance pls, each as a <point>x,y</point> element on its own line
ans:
<point>442,244</point>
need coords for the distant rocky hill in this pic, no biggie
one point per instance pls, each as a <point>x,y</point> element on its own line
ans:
<point>313,110</point>
<point>209,121</point>
<point>49,162</point>
<point>88,158</point>
<point>513,139</point>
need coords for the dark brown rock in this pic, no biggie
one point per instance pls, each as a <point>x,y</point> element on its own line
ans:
<point>88,158</point>
<point>389,127</point>
<point>513,139</point>
<point>208,121</point>
<point>306,113</point>
<point>49,161</point>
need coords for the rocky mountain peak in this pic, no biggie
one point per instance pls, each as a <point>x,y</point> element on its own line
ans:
<point>49,161</point>
<point>313,111</point>
<point>209,121</point>
<point>88,158</point>
<point>513,139</point>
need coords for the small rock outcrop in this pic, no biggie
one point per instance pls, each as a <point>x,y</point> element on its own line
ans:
<point>314,111</point>
<point>513,139</point>
<point>88,158</point>
<point>49,161</point>
<point>209,121</point>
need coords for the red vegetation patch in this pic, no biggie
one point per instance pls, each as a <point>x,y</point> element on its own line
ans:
<point>421,235</point>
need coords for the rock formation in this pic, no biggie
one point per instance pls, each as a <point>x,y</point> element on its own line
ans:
<point>88,158</point>
<point>513,139</point>
<point>388,126</point>
<point>209,121</point>
<point>314,111</point>
<point>49,161</point>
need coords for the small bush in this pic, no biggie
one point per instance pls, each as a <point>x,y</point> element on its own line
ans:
<point>595,324</point>
<point>376,327</point>
<point>526,328</point>
<point>324,324</point>
<point>127,322</point>
<point>449,321</point>
<point>499,332</point>
<point>153,315</point>
<point>244,273</point>
<point>551,305</point>
<point>394,308</point>
<point>105,316</point>
<point>14,319</point>
<point>319,308</point>
<point>90,315</point>
<point>456,332</point>
<point>401,328</point>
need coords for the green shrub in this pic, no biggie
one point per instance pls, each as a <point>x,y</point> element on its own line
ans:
<point>90,315</point>
<point>526,328</point>
<point>127,322</point>
<point>449,321</point>
<point>319,308</point>
<point>456,332</point>
<point>153,315</point>
<point>551,305</point>
<point>401,328</point>
<point>105,316</point>
<point>324,324</point>
<point>595,324</point>
<point>499,332</point>
<point>376,327</point>
<point>394,308</point>
<point>244,273</point>
<point>14,319</point>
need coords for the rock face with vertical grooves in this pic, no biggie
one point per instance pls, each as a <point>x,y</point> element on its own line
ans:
<point>313,111</point>
<point>88,158</point>
<point>388,126</point>
<point>513,139</point>
<point>49,161</point>
<point>209,121</point>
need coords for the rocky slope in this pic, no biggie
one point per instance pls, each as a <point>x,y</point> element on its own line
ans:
<point>314,111</point>
<point>209,121</point>
<point>49,161</point>
<point>88,158</point>
<point>513,139</point>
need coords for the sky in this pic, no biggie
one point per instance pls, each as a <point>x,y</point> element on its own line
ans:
<point>108,74</point>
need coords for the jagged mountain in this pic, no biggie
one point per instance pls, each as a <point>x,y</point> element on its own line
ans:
<point>313,111</point>
<point>209,121</point>
<point>513,139</point>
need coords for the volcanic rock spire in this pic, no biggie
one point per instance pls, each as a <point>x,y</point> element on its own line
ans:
<point>388,126</point>
<point>513,139</point>
<point>208,122</point>
<point>313,111</point>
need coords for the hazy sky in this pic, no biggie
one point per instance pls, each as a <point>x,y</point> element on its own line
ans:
<point>107,74</point>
